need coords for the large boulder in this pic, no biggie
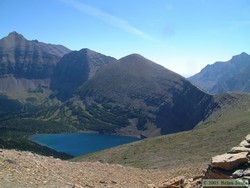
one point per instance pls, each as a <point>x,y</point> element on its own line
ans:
<point>231,165</point>
<point>238,173</point>
<point>229,161</point>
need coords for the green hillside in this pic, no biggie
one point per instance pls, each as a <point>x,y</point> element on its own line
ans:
<point>224,129</point>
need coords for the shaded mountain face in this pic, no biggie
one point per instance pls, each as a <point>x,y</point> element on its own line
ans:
<point>74,69</point>
<point>163,101</point>
<point>220,77</point>
<point>28,59</point>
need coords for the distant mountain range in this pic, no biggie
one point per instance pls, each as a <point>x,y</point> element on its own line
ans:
<point>230,76</point>
<point>86,90</point>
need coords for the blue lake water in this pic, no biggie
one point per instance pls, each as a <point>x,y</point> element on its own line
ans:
<point>77,144</point>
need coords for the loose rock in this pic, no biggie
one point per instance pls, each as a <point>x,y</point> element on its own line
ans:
<point>234,164</point>
<point>245,143</point>
<point>247,172</point>
<point>238,173</point>
<point>229,161</point>
<point>77,186</point>
<point>216,173</point>
<point>151,186</point>
<point>248,138</point>
<point>26,170</point>
<point>174,183</point>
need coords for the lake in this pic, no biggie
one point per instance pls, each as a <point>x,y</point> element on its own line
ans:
<point>77,144</point>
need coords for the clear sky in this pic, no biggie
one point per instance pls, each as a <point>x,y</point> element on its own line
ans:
<point>181,35</point>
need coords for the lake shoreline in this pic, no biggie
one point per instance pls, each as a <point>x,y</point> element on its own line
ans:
<point>76,144</point>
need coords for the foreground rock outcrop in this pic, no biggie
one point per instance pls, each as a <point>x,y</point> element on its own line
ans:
<point>233,164</point>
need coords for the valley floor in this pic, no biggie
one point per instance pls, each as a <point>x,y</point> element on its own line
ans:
<point>25,169</point>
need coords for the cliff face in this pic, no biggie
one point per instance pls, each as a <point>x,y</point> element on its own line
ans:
<point>28,59</point>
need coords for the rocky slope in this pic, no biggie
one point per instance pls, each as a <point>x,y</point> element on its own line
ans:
<point>27,170</point>
<point>231,165</point>
<point>231,169</point>
<point>28,59</point>
<point>232,75</point>
<point>26,64</point>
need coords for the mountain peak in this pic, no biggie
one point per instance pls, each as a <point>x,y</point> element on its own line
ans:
<point>28,58</point>
<point>87,51</point>
<point>139,61</point>
<point>15,35</point>
<point>244,53</point>
<point>228,76</point>
<point>243,57</point>
<point>133,57</point>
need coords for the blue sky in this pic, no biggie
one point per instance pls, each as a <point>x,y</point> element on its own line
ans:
<point>181,35</point>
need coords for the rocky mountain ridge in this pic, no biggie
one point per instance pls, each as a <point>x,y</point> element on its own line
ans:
<point>229,76</point>
<point>28,59</point>
<point>27,64</point>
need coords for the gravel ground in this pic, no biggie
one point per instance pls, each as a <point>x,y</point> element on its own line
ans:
<point>25,169</point>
